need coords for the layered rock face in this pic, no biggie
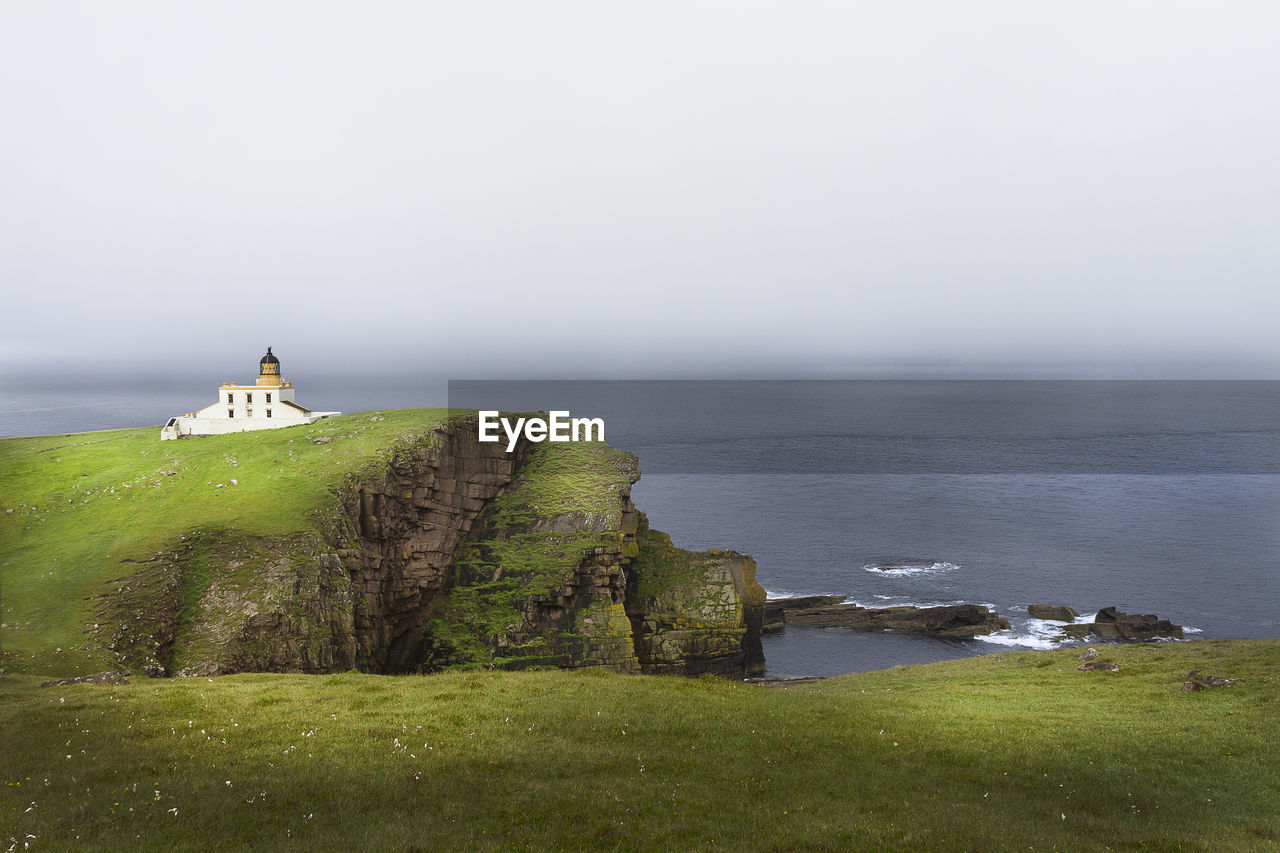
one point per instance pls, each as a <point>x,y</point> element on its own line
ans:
<point>563,570</point>
<point>409,523</point>
<point>692,612</point>
<point>455,552</point>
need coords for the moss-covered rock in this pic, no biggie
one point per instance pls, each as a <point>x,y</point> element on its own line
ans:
<point>694,611</point>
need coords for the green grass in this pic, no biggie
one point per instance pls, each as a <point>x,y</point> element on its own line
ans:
<point>582,481</point>
<point>666,567</point>
<point>581,478</point>
<point>88,509</point>
<point>1003,752</point>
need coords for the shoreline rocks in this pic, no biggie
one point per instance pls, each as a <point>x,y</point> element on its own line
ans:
<point>956,621</point>
<point>1109,623</point>
<point>1052,612</point>
<point>1114,624</point>
<point>775,609</point>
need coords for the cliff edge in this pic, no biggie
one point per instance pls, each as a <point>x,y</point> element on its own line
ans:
<point>384,541</point>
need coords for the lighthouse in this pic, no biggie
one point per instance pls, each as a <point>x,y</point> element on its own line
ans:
<point>267,404</point>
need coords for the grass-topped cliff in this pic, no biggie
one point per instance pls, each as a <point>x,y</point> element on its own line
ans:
<point>1002,752</point>
<point>388,541</point>
<point>83,511</point>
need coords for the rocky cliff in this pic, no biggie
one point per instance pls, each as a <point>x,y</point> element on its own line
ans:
<point>448,552</point>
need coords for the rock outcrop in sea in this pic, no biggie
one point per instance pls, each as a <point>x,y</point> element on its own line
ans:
<point>1053,612</point>
<point>948,620</point>
<point>1132,626</point>
<point>1108,623</point>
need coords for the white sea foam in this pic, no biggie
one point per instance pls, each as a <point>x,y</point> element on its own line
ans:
<point>1033,634</point>
<point>906,570</point>
<point>888,601</point>
<point>1186,629</point>
<point>782,594</point>
<point>1048,634</point>
<point>1013,638</point>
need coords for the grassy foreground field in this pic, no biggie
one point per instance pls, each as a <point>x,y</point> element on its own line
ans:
<point>1003,752</point>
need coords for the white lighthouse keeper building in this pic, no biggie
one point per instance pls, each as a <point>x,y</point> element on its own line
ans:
<point>269,404</point>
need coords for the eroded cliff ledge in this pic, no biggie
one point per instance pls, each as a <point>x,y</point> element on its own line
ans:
<point>446,551</point>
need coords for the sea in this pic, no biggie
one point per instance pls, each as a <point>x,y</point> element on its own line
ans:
<point>1151,496</point>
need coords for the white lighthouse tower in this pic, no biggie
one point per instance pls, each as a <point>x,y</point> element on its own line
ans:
<point>269,404</point>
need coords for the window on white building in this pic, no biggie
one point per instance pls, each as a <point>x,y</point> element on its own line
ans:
<point>231,400</point>
<point>248,398</point>
<point>268,399</point>
<point>268,410</point>
<point>231,413</point>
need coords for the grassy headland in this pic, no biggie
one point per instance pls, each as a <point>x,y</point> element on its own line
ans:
<point>388,540</point>
<point>88,509</point>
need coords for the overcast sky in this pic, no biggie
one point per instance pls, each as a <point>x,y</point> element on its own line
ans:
<point>509,189</point>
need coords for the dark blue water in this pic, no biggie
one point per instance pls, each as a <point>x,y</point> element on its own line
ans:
<point>1202,550</point>
<point>1155,497</point>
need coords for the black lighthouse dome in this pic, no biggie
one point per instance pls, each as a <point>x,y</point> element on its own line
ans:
<point>269,369</point>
